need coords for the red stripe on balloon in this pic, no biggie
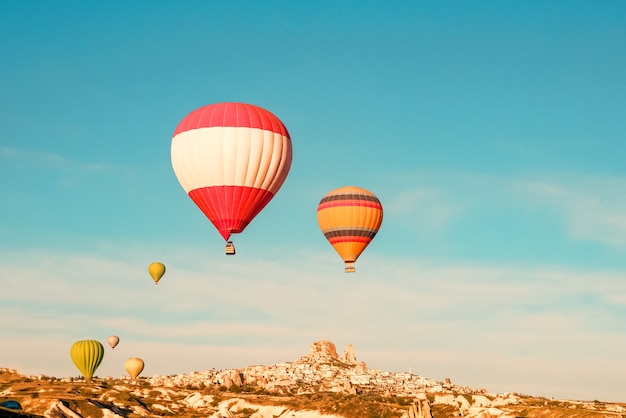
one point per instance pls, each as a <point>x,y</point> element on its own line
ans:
<point>237,115</point>
<point>230,208</point>
<point>338,203</point>
<point>335,240</point>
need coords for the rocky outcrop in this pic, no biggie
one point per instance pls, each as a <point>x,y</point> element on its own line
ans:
<point>321,351</point>
<point>420,408</point>
<point>348,355</point>
<point>59,410</point>
<point>233,378</point>
<point>324,351</point>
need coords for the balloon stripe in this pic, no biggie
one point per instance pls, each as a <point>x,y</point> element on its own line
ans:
<point>350,203</point>
<point>231,115</point>
<point>350,197</point>
<point>226,216</point>
<point>342,217</point>
<point>231,156</point>
<point>349,233</point>
<point>349,238</point>
<point>345,228</point>
<point>345,202</point>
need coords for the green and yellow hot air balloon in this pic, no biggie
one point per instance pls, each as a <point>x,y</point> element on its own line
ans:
<point>156,270</point>
<point>87,356</point>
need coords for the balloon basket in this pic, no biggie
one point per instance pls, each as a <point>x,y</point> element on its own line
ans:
<point>230,248</point>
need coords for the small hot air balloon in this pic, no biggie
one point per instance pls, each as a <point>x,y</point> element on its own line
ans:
<point>156,270</point>
<point>87,356</point>
<point>349,218</point>
<point>231,159</point>
<point>113,340</point>
<point>134,367</point>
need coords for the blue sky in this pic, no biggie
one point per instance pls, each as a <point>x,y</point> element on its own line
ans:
<point>492,132</point>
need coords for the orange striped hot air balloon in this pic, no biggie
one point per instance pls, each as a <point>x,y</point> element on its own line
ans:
<point>231,159</point>
<point>349,218</point>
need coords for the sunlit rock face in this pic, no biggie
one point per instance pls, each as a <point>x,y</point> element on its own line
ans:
<point>324,348</point>
<point>348,355</point>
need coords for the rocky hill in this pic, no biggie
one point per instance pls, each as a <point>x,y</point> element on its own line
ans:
<point>321,384</point>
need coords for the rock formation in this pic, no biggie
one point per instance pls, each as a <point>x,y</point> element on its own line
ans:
<point>348,355</point>
<point>322,349</point>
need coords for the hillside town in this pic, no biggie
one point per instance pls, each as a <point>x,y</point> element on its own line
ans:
<point>321,370</point>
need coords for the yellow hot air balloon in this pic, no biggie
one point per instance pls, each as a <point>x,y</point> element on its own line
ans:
<point>349,218</point>
<point>134,366</point>
<point>156,270</point>
<point>87,356</point>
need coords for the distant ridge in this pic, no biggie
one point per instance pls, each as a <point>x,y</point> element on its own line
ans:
<point>320,384</point>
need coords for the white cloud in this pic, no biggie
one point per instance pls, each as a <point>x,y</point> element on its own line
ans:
<point>424,209</point>
<point>34,156</point>
<point>8,152</point>
<point>592,208</point>
<point>587,208</point>
<point>618,298</point>
<point>52,160</point>
<point>507,327</point>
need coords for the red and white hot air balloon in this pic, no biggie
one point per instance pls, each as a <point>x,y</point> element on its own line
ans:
<point>231,159</point>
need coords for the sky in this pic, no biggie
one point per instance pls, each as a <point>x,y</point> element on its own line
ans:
<point>493,133</point>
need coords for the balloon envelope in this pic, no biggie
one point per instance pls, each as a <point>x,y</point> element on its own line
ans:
<point>134,366</point>
<point>156,270</point>
<point>231,159</point>
<point>87,356</point>
<point>349,218</point>
<point>113,340</point>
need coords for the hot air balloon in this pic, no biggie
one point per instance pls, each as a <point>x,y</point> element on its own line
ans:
<point>349,218</point>
<point>134,367</point>
<point>156,270</point>
<point>231,159</point>
<point>87,356</point>
<point>113,340</point>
